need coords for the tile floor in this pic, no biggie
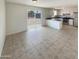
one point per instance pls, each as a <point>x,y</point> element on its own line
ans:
<point>42,43</point>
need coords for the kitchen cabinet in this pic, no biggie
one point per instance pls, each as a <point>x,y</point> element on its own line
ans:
<point>56,24</point>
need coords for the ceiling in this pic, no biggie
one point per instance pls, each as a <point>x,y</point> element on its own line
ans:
<point>47,3</point>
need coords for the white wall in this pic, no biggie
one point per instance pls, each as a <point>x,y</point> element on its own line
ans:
<point>16,20</point>
<point>17,17</point>
<point>2,24</point>
<point>47,12</point>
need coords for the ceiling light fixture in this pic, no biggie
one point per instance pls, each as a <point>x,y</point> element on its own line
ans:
<point>34,1</point>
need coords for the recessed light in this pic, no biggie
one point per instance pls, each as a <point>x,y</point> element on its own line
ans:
<point>34,1</point>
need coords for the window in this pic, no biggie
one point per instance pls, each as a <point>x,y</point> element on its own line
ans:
<point>31,14</point>
<point>38,14</point>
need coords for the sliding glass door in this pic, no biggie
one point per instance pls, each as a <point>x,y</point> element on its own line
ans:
<point>34,18</point>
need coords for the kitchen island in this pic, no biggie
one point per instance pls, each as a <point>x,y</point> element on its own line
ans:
<point>55,23</point>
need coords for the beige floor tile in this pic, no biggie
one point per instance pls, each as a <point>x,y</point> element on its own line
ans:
<point>42,43</point>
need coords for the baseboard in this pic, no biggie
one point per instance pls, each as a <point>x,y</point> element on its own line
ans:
<point>15,33</point>
<point>2,47</point>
